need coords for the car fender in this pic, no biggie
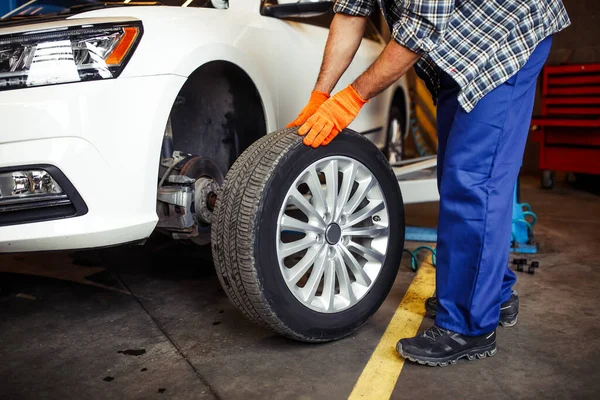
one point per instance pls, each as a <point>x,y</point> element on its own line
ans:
<point>178,41</point>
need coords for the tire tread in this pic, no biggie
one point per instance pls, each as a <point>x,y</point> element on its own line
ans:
<point>234,228</point>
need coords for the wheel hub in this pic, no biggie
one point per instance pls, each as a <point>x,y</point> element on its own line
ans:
<point>333,234</point>
<point>205,198</point>
<point>187,196</point>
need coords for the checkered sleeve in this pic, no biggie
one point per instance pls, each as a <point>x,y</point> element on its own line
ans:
<point>361,8</point>
<point>422,24</point>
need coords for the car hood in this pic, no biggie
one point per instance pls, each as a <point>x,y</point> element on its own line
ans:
<point>108,15</point>
<point>184,38</point>
<point>53,24</point>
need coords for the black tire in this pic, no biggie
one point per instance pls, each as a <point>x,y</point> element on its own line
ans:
<point>548,180</point>
<point>244,230</point>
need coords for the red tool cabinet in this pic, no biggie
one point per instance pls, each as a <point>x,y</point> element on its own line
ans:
<point>568,130</point>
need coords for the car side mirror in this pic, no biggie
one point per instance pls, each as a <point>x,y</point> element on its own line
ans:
<point>301,9</point>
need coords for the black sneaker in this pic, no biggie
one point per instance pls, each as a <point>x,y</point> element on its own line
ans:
<point>440,347</point>
<point>509,310</point>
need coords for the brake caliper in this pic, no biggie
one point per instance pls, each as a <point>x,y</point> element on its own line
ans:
<point>187,194</point>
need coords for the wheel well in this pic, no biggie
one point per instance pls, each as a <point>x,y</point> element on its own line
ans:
<point>218,113</point>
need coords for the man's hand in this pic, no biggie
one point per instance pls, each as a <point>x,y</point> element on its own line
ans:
<point>340,110</point>
<point>334,115</point>
<point>317,98</point>
<point>345,35</point>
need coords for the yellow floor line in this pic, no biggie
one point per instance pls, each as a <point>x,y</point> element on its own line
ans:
<point>379,376</point>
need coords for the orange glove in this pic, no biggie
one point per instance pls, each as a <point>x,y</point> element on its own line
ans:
<point>316,99</point>
<point>333,116</point>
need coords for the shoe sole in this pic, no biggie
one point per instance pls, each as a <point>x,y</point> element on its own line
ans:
<point>504,324</point>
<point>508,324</point>
<point>470,355</point>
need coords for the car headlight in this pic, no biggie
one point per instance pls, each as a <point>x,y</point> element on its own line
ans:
<point>68,55</point>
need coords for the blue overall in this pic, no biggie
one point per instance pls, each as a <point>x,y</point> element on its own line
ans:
<point>479,159</point>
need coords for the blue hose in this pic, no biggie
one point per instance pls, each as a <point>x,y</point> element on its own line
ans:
<point>414,261</point>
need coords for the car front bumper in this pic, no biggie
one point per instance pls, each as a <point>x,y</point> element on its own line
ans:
<point>105,137</point>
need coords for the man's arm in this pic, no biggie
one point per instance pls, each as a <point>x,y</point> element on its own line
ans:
<point>345,35</point>
<point>419,31</point>
<point>392,64</point>
<point>338,112</point>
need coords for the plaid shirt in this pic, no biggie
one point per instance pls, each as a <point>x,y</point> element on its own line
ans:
<point>480,43</point>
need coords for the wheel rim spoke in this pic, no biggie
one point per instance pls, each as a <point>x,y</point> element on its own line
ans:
<point>297,199</point>
<point>366,252</point>
<point>362,190</point>
<point>331,180</point>
<point>331,268</point>
<point>312,180</point>
<point>293,275</point>
<point>348,180</point>
<point>370,231</point>
<point>357,269</point>
<point>329,284</point>
<point>395,131</point>
<point>295,225</point>
<point>366,212</point>
<point>343,277</point>
<point>314,280</point>
<point>396,144</point>
<point>289,249</point>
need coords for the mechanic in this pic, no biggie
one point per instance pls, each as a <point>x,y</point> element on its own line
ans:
<point>480,60</point>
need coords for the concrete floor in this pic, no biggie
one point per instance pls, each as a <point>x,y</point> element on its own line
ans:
<point>150,322</point>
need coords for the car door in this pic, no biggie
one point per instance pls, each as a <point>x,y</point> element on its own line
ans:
<point>296,46</point>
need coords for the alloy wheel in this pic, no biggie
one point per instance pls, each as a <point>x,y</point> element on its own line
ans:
<point>332,234</point>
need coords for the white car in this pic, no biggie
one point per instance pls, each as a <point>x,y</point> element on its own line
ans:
<point>120,118</point>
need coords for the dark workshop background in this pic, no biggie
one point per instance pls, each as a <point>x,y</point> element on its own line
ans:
<point>578,44</point>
